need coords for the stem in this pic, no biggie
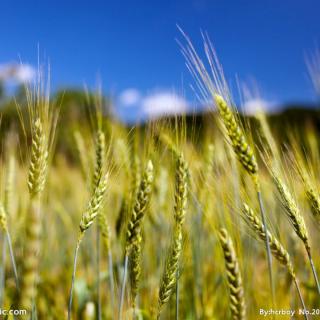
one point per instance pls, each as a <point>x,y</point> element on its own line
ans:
<point>3,270</point>
<point>110,265</point>
<point>177,294</point>
<point>269,257</point>
<point>73,277</point>
<point>301,298</point>
<point>123,286</point>
<point>98,272</point>
<point>313,270</point>
<point>13,262</point>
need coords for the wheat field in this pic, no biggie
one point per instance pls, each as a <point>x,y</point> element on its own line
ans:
<point>164,220</point>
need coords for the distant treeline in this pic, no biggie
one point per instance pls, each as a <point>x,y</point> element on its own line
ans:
<point>74,106</point>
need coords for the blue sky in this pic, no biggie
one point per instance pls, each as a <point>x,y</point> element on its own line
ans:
<point>131,44</point>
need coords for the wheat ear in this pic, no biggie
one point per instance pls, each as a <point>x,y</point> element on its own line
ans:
<point>36,181</point>
<point>237,301</point>
<point>169,278</point>
<point>296,220</point>
<point>133,232</point>
<point>278,251</point>
<point>39,160</point>
<point>292,211</point>
<point>237,138</point>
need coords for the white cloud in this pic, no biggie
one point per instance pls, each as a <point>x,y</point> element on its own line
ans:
<point>163,103</point>
<point>253,106</point>
<point>132,105</point>
<point>18,73</point>
<point>129,97</point>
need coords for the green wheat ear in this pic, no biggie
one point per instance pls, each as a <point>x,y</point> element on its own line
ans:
<point>39,159</point>
<point>181,190</point>
<point>237,301</point>
<point>139,207</point>
<point>312,197</point>
<point>94,205</point>
<point>277,250</point>
<point>100,151</point>
<point>169,276</point>
<point>292,210</point>
<point>238,140</point>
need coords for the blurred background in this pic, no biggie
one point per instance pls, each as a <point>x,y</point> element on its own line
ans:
<point>130,49</point>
